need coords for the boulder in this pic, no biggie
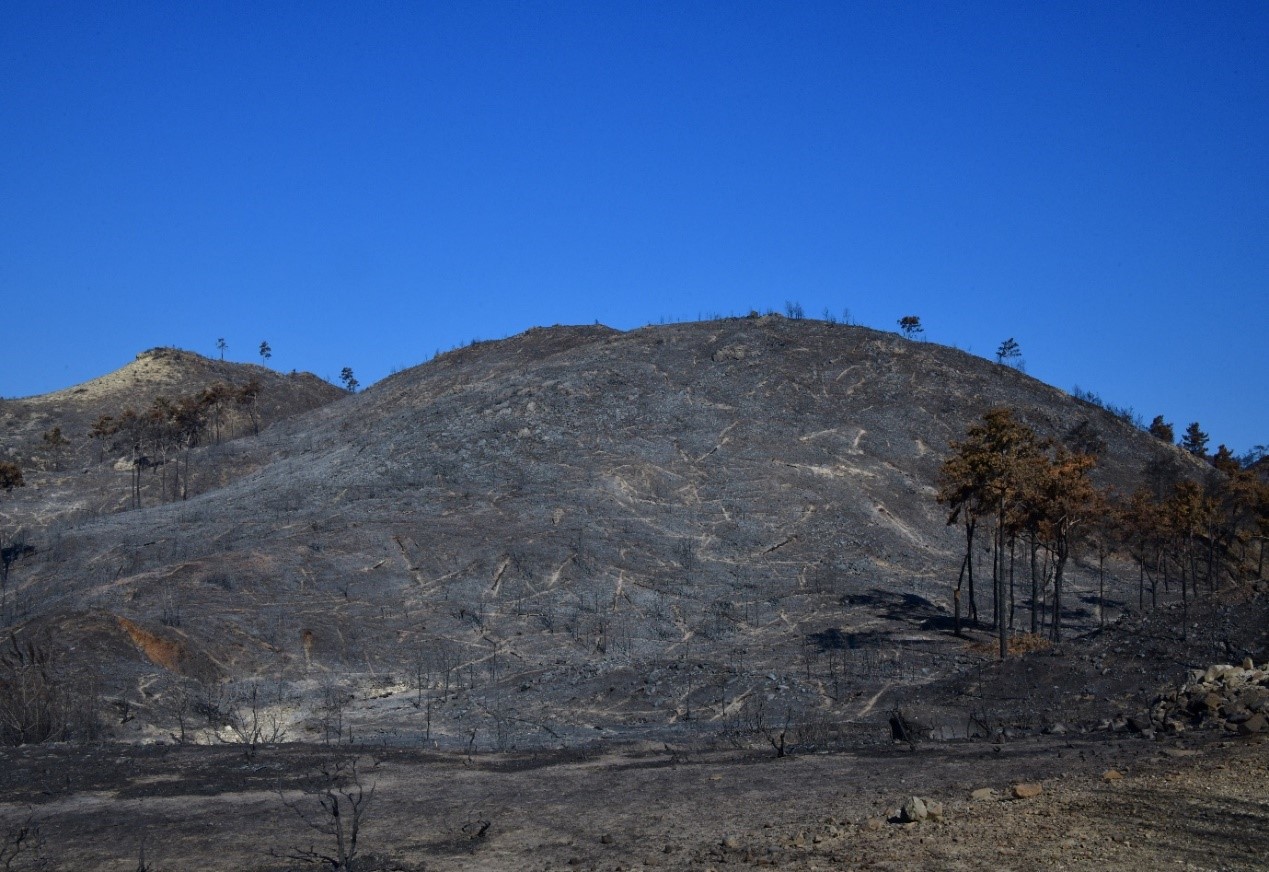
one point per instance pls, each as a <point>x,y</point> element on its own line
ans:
<point>913,810</point>
<point>1254,724</point>
<point>1027,790</point>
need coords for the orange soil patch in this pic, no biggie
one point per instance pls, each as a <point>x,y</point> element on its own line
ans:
<point>160,651</point>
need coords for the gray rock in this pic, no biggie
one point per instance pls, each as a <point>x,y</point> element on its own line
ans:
<point>914,810</point>
<point>1254,724</point>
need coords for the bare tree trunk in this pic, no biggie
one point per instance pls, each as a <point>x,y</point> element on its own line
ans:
<point>1035,587</point>
<point>1002,630</point>
<point>1059,567</point>
<point>969,550</point>
<point>1013,541</point>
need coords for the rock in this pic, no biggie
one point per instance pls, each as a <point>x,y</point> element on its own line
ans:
<point>913,811</point>
<point>1255,698</point>
<point>1138,723</point>
<point>1216,673</point>
<point>984,794</point>
<point>1112,775</point>
<point>606,839</point>
<point>1027,790</point>
<point>874,824</point>
<point>1236,714</point>
<point>934,810</point>
<point>1055,730</point>
<point>1254,724</point>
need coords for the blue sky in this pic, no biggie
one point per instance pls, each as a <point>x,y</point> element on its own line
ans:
<point>362,184</point>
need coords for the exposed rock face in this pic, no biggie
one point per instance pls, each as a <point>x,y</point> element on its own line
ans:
<point>577,530</point>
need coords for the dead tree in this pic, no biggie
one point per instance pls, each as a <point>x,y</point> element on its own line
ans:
<point>249,725</point>
<point>333,803</point>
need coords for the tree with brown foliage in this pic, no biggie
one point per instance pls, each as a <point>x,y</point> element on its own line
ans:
<point>1161,429</point>
<point>1062,500</point>
<point>248,399</point>
<point>10,476</point>
<point>215,398</point>
<point>985,476</point>
<point>55,444</point>
<point>103,428</point>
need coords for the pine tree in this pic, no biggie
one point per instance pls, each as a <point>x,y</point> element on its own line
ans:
<point>1063,500</point>
<point>1008,350</point>
<point>1195,440</point>
<point>985,477</point>
<point>350,382</point>
<point>911,326</point>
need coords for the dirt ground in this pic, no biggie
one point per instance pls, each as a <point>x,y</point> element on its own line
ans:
<point>1198,801</point>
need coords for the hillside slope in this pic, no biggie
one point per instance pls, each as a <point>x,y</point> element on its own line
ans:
<point>87,476</point>
<point>573,530</point>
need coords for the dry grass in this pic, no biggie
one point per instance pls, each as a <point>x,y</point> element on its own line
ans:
<point>1020,643</point>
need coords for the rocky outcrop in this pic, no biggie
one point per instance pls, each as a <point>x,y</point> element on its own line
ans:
<point>1224,696</point>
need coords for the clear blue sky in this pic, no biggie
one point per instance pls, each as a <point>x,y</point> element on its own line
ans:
<point>364,183</point>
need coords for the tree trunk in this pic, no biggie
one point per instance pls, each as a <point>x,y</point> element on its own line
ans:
<point>1002,630</point>
<point>1035,587</point>
<point>1013,541</point>
<point>1059,567</point>
<point>956,596</point>
<point>970,525</point>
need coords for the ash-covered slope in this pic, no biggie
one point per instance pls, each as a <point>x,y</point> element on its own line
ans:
<point>87,476</point>
<point>576,528</point>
